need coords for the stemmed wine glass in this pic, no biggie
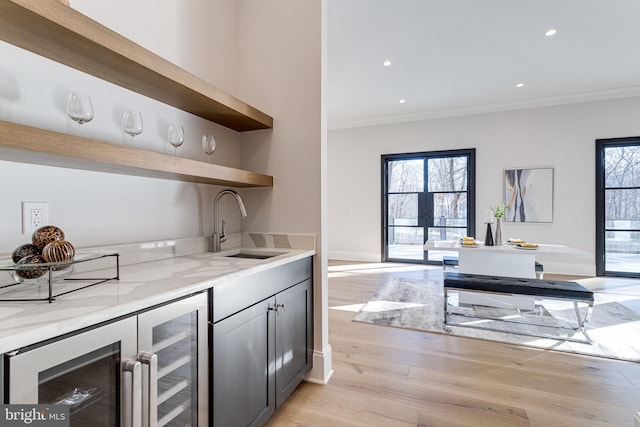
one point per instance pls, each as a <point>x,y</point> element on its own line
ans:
<point>208,145</point>
<point>175,134</point>
<point>80,109</point>
<point>132,124</point>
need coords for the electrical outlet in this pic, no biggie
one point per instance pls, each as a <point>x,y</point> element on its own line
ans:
<point>34,216</point>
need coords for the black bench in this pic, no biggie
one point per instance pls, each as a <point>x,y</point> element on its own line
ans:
<point>537,288</point>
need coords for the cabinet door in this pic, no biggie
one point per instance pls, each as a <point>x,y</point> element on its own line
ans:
<point>294,335</point>
<point>94,372</point>
<point>243,368</point>
<point>173,349</point>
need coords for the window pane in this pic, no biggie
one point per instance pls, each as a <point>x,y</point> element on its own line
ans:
<point>406,176</point>
<point>406,243</point>
<point>622,166</point>
<point>622,208</point>
<point>436,233</point>
<point>403,209</point>
<point>448,174</point>
<point>450,209</point>
<point>622,250</point>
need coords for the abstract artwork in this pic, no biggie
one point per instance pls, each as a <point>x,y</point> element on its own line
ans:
<point>528,195</point>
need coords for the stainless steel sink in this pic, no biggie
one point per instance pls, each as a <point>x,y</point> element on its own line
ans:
<point>253,255</point>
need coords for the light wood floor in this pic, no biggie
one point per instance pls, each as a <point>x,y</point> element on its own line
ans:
<point>395,377</point>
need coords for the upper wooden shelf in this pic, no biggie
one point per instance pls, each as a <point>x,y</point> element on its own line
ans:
<point>53,30</point>
<point>26,144</point>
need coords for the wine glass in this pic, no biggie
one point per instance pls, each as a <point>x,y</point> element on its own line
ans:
<point>79,109</point>
<point>208,145</point>
<point>132,124</point>
<point>175,134</point>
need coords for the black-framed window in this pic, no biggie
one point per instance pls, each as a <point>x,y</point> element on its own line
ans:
<point>618,207</point>
<point>426,196</point>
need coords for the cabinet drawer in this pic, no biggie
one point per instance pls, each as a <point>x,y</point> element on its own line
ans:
<point>238,294</point>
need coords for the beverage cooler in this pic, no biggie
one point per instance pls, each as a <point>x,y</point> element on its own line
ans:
<point>149,369</point>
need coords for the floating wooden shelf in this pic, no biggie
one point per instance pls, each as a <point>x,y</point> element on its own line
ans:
<point>26,144</point>
<point>55,31</point>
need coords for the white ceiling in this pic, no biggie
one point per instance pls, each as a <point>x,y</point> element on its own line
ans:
<point>458,57</point>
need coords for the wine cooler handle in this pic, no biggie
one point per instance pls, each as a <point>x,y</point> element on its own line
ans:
<point>149,389</point>
<point>132,379</point>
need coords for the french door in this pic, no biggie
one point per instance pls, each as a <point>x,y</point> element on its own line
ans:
<point>618,207</point>
<point>426,196</point>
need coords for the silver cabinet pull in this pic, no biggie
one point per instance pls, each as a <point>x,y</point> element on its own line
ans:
<point>132,405</point>
<point>149,389</point>
<point>277,307</point>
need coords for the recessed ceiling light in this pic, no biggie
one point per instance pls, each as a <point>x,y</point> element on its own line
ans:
<point>550,32</point>
<point>520,85</point>
<point>402,101</point>
<point>386,63</point>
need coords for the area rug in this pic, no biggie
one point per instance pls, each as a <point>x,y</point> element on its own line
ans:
<point>418,304</point>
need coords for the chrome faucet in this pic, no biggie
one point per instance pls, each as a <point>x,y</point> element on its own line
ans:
<point>219,236</point>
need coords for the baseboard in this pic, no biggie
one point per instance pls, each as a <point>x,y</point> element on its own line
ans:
<point>354,256</point>
<point>322,369</point>
<point>573,269</point>
<point>586,269</point>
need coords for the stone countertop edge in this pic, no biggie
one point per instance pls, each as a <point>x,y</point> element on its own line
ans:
<point>141,286</point>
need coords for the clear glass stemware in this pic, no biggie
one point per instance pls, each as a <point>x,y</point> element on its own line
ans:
<point>132,124</point>
<point>79,109</point>
<point>208,145</point>
<point>175,134</point>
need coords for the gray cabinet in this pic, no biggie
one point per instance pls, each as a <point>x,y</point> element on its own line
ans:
<point>243,372</point>
<point>262,350</point>
<point>294,338</point>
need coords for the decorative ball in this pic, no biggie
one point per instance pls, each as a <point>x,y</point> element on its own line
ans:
<point>23,251</point>
<point>45,235</point>
<point>58,251</point>
<point>31,273</point>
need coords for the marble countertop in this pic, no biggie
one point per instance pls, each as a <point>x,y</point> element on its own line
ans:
<point>140,286</point>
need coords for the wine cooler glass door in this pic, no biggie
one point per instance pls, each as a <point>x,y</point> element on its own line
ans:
<point>83,371</point>
<point>173,349</point>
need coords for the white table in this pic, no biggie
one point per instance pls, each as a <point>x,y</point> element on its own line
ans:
<point>505,260</point>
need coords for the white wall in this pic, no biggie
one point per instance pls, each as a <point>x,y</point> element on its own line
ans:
<point>280,72</point>
<point>95,208</point>
<point>561,137</point>
<point>199,35</point>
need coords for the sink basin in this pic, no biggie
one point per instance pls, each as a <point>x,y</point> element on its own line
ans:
<point>253,255</point>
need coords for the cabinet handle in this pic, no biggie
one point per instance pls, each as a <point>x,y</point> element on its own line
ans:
<point>149,389</point>
<point>132,393</point>
<point>277,307</point>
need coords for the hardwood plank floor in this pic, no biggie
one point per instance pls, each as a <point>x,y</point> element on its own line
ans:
<point>396,377</point>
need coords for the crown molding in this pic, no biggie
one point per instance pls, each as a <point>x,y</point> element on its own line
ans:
<point>573,98</point>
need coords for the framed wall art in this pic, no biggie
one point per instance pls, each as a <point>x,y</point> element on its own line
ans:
<point>528,194</point>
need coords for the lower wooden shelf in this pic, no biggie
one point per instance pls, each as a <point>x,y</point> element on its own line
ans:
<point>25,144</point>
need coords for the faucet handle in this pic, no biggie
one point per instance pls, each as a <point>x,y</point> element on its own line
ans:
<point>223,235</point>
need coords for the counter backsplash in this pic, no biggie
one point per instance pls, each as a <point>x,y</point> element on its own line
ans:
<point>134,253</point>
